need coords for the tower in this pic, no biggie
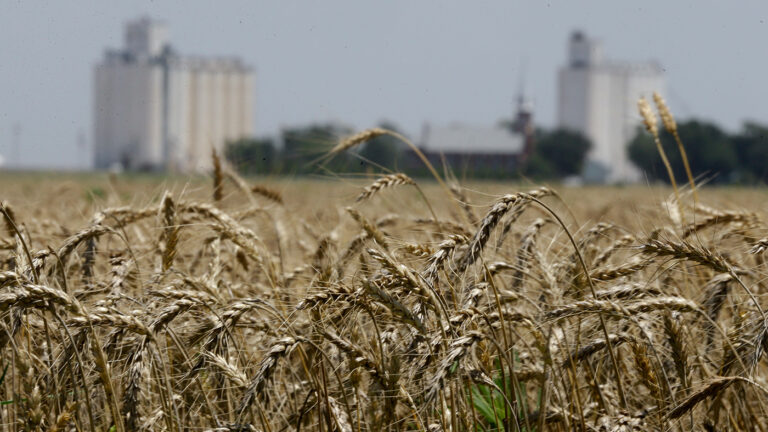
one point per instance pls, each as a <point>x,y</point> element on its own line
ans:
<point>145,37</point>
<point>584,52</point>
<point>155,109</point>
<point>598,98</point>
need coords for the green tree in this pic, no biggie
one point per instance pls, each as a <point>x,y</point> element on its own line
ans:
<point>383,150</point>
<point>253,156</point>
<point>710,152</point>
<point>539,168</point>
<point>751,146</point>
<point>558,153</point>
<point>304,147</point>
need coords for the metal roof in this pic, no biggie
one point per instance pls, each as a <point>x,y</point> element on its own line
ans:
<point>462,138</point>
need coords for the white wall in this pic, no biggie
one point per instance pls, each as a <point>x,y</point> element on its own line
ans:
<point>599,99</point>
<point>207,106</point>
<point>573,97</point>
<point>601,103</point>
<point>128,114</point>
<point>208,102</point>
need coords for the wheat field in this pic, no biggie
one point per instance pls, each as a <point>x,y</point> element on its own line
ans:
<point>378,304</point>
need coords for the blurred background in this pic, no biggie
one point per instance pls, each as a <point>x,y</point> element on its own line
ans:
<point>496,89</point>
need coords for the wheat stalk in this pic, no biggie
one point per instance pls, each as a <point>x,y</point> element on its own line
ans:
<point>514,203</point>
<point>627,310</point>
<point>268,193</point>
<point>671,126</point>
<point>170,237</point>
<point>651,124</point>
<point>458,349</point>
<point>369,228</point>
<point>687,251</point>
<point>585,351</point>
<point>713,388</point>
<point>386,181</point>
<point>356,139</point>
<point>438,259</point>
<point>281,348</point>
<point>218,176</point>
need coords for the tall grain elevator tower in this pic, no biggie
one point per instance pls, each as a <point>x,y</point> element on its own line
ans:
<point>154,109</point>
<point>598,98</point>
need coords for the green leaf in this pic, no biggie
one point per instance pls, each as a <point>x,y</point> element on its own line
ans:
<point>482,403</point>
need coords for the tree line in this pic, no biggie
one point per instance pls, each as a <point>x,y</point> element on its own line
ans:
<point>556,154</point>
<point>714,154</point>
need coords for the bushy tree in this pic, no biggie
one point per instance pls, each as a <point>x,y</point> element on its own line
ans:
<point>383,150</point>
<point>539,168</point>
<point>304,147</point>
<point>253,156</point>
<point>751,146</point>
<point>558,153</point>
<point>710,152</point>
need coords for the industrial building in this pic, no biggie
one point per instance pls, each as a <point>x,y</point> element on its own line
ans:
<point>598,98</point>
<point>157,110</point>
<point>476,150</point>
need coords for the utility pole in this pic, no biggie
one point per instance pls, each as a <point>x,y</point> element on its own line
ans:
<point>82,149</point>
<point>16,145</point>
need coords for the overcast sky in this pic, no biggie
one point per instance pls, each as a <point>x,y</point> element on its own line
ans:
<point>360,62</point>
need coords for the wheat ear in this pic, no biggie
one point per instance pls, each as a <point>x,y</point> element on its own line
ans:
<point>671,126</point>
<point>386,181</point>
<point>651,124</point>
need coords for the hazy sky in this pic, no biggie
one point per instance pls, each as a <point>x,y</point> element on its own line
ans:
<point>360,62</point>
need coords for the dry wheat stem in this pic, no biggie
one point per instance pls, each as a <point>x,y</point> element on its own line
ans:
<point>713,388</point>
<point>671,126</point>
<point>651,124</point>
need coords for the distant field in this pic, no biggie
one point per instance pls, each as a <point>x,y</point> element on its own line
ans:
<point>134,302</point>
<point>91,191</point>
